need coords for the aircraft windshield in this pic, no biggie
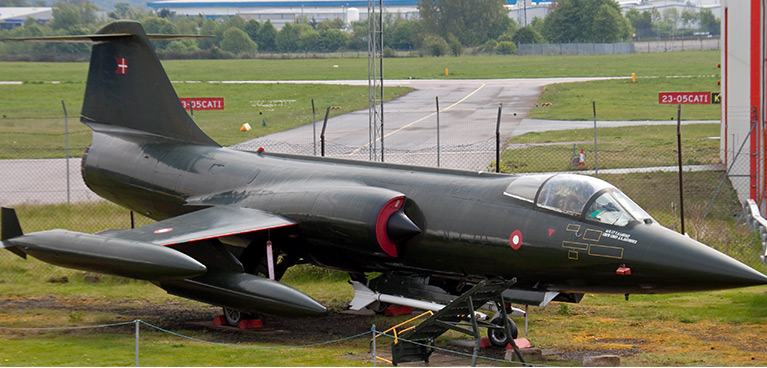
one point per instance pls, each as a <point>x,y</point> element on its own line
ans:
<point>526,187</point>
<point>606,209</point>
<point>569,193</point>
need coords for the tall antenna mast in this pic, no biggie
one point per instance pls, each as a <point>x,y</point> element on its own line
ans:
<point>375,79</point>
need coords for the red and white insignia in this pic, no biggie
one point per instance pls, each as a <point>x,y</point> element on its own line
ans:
<point>122,65</point>
<point>515,240</point>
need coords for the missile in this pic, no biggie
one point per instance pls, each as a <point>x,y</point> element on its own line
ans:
<point>114,256</point>
<point>364,296</point>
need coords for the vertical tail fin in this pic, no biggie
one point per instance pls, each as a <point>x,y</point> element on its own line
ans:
<point>10,229</point>
<point>128,88</point>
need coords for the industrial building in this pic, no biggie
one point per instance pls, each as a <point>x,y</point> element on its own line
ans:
<point>12,17</point>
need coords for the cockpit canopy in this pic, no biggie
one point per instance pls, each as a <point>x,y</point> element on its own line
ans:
<point>577,195</point>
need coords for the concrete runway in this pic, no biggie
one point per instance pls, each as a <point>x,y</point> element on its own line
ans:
<point>468,113</point>
<point>467,122</point>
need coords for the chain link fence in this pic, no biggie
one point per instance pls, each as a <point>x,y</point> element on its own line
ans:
<point>640,158</point>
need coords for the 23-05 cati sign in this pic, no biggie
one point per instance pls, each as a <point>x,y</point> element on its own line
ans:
<point>203,103</point>
<point>699,98</point>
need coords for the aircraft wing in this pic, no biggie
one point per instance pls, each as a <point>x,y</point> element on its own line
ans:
<point>209,223</point>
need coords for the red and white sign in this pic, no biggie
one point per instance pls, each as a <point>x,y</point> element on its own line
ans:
<point>700,98</point>
<point>203,103</point>
<point>122,65</point>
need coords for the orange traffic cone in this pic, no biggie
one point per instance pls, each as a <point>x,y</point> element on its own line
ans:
<point>582,159</point>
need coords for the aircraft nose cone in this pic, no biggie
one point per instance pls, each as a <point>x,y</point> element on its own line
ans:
<point>678,263</point>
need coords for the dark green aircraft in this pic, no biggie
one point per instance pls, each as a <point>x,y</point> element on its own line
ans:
<point>226,216</point>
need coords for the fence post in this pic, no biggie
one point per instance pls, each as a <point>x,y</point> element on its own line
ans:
<point>498,140</point>
<point>679,154</point>
<point>66,148</point>
<point>314,128</point>
<point>438,152</point>
<point>137,328</point>
<point>375,355</point>
<point>322,134</point>
<point>596,157</point>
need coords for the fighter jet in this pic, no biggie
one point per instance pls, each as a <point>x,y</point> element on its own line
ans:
<point>230,222</point>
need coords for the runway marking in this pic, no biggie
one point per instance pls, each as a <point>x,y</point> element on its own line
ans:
<point>418,121</point>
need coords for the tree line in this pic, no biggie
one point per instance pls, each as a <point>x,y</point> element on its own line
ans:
<point>444,27</point>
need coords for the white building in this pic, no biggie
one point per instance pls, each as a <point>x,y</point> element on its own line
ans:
<point>12,17</point>
<point>280,12</point>
<point>743,79</point>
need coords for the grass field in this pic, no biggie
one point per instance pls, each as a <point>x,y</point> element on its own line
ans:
<point>32,123</point>
<point>623,100</point>
<point>687,63</point>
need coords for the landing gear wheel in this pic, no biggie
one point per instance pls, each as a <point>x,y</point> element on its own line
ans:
<point>379,307</point>
<point>498,337</point>
<point>233,317</point>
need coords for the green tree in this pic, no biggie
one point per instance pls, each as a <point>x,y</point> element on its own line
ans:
<point>527,35</point>
<point>435,45</point>
<point>126,11</point>
<point>266,36</point>
<point>610,25</point>
<point>537,24</point>
<point>641,22</point>
<point>308,38</point>
<point>688,17</point>
<point>287,38</point>
<point>505,48</point>
<point>208,28</point>
<point>575,21</point>
<point>472,21</point>
<point>251,28</point>
<point>401,33</point>
<point>358,40</point>
<point>65,16</point>
<point>332,39</point>
<point>708,22</point>
<point>158,25</point>
<point>670,19</point>
<point>13,3</point>
<point>182,46</point>
<point>455,45</point>
<point>237,41</point>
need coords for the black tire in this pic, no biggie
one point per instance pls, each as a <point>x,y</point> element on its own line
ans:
<point>498,337</point>
<point>233,317</point>
<point>379,307</point>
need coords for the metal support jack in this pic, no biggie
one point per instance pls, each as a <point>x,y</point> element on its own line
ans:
<point>417,344</point>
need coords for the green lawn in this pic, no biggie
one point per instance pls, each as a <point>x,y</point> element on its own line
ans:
<point>684,63</point>
<point>623,100</point>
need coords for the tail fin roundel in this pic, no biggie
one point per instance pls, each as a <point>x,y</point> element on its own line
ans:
<point>128,88</point>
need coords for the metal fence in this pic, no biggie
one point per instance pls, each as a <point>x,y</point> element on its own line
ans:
<point>643,46</point>
<point>36,182</point>
<point>576,48</point>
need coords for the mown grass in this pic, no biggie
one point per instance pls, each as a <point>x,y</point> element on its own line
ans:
<point>621,147</point>
<point>465,67</point>
<point>159,349</point>
<point>623,100</point>
<point>32,123</point>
